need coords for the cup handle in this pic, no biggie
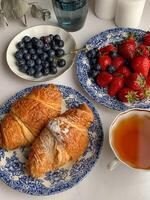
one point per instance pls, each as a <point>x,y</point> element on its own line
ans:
<point>113,164</point>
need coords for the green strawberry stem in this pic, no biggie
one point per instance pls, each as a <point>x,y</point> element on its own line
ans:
<point>75,51</point>
<point>131,97</point>
<point>141,80</point>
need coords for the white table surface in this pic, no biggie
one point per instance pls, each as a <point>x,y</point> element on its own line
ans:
<point>100,184</point>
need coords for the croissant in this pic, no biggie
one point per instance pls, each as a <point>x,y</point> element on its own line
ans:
<point>64,139</point>
<point>29,115</point>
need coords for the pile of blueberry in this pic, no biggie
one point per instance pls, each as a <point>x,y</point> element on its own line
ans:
<point>93,56</point>
<point>39,57</point>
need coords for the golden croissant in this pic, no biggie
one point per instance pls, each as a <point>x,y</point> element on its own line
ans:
<point>65,138</point>
<point>29,115</point>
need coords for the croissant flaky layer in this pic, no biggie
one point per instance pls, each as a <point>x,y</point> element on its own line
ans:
<point>29,115</point>
<point>65,138</point>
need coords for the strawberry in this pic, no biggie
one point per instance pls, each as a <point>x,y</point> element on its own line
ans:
<point>117,61</point>
<point>148,81</point>
<point>143,93</point>
<point>140,94</point>
<point>147,39</point>
<point>115,85</point>
<point>103,79</point>
<point>127,95</point>
<point>141,64</point>
<point>104,61</point>
<point>123,70</point>
<point>127,48</point>
<point>135,81</point>
<point>107,49</point>
<point>142,50</point>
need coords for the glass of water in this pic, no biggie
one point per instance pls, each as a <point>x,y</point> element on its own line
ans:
<point>71,14</point>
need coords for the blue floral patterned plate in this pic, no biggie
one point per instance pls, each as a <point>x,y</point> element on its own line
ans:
<point>100,95</point>
<point>12,163</point>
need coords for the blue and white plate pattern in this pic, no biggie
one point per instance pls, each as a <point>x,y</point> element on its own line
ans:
<point>100,95</point>
<point>12,163</point>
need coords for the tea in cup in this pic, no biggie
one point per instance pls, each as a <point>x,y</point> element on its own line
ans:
<point>129,138</point>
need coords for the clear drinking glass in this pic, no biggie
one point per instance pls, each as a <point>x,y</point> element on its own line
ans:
<point>71,14</point>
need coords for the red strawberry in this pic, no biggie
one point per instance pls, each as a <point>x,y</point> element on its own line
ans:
<point>141,65</point>
<point>147,39</point>
<point>103,79</point>
<point>127,48</point>
<point>143,93</point>
<point>140,94</point>
<point>148,81</point>
<point>123,70</point>
<point>107,49</point>
<point>135,81</point>
<point>142,50</point>
<point>127,95</point>
<point>115,85</point>
<point>117,61</point>
<point>104,61</point>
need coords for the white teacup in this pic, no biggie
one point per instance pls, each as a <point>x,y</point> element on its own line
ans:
<point>117,160</point>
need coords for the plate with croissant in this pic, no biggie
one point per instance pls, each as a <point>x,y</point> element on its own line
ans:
<point>50,138</point>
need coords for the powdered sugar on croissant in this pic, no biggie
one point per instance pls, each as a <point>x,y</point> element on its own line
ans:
<point>64,138</point>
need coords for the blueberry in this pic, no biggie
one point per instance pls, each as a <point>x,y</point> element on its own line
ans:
<point>38,61</point>
<point>60,52</point>
<point>53,70</point>
<point>93,74</point>
<point>91,54</point>
<point>97,67</point>
<point>50,59</point>
<point>46,71</point>
<point>34,40</point>
<point>111,69</point>
<point>51,36</point>
<point>57,37</point>
<point>21,62</point>
<point>61,63</point>
<point>20,45</point>
<point>51,53</point>
<point>26,39</point>
<point>42,62</point>
<point>34,57</point>
<point>46,47</point>
<point>42,38</point>
<point>24,51</point>
<point>19,55</point>
<point>54,45</point>
<point>60,43</point>
<point>38,68</point>
<point>31,71</point>
<point>39,51</point>
<point>38,74</point>
<point>45,64</point>
<point>53,64</point>
<point>113,54</point>
<point>43,56</point>
<point>28,45</point>
<point>127,63</point>
<point>93,61</point>
<point>23,68</point>
<point>32,51</point>
<point>27,56</point>
<point>39,44</point>
<point>47,39</point>
<point>30,63</point>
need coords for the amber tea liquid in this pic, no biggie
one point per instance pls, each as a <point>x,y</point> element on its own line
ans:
<point>131,139</point>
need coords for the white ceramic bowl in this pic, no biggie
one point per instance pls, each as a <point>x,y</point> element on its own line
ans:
<point>38,31</point>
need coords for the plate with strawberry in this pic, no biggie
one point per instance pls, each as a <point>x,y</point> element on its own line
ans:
<point>114,68</point>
